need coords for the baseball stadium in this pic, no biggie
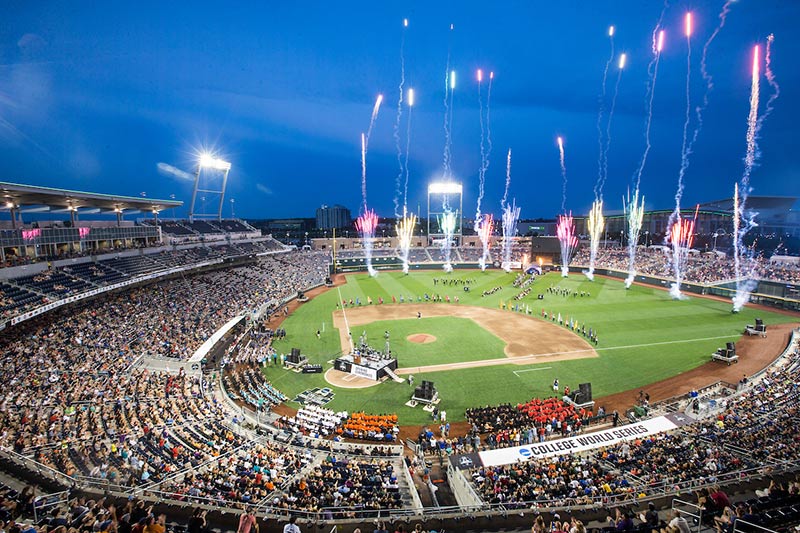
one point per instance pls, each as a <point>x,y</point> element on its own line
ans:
<point>490,342</point>
<point>203,367</point>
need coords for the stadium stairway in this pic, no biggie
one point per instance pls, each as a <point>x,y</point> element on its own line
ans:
<point>394,376</point>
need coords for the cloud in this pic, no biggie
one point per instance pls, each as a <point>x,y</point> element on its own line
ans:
<point>169,170</point>
<point>31,45</point>
<point>264,189</point>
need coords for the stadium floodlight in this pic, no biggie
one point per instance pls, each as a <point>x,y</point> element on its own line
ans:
<point>209,161</point>
<point>444,187</point>
<point>209,185</point>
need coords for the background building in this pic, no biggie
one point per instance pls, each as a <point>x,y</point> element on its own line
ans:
<point>335,216</point>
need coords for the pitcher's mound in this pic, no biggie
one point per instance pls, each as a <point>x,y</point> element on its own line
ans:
<point>421,338</point>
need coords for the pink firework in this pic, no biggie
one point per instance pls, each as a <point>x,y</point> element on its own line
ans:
<point>682,232</point>
<point>367,223</point>
<point>565,231</point>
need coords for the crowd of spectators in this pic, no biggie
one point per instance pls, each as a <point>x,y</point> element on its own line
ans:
<point>249,475</point>
<point>700,267</point>
<point>76,401</point>
<point>362,426</point>
<point>753,431</point>
<point>563,480</point>
<point>343,487</point>
<point>534,421</point>
<point>313,421</point>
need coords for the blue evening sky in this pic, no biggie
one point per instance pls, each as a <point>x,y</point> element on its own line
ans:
<point>94,95</point>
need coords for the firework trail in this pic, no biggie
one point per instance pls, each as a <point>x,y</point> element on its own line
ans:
<point>410,102</point>
<point>600,114</point>
<point>482,169</point>
<point>601,184</point>
<point>686,148</point>
<point>658,45</point>
<point>486,143</point>
<point>399,115</point>
<point>374,116</point>
<point>508,179</point>
<point>488,121</point>
<point>776,89</point>
<point>365,147</point>
<point>744,220</point>
<point>723,15</point>
<point>449,85</point>
<point>364,170</point>
<point>450,123</point>
<point>563,174</point>
<point>737,223</point>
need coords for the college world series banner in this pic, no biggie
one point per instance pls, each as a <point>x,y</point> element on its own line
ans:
<point>581,443</point>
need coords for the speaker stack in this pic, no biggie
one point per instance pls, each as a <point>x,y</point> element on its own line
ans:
<point>294,357</point>
<point>425,390</point>
<point>585,390</point>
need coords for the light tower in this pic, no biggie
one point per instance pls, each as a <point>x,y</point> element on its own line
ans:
<point>208,183</point>
<point>444,196</point>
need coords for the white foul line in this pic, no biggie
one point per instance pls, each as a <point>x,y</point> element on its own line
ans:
<point>662,343</point>
<point>518,372</point>
<point>344,314</point>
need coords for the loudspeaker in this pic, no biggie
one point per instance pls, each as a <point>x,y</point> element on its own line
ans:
<point>585,390</point>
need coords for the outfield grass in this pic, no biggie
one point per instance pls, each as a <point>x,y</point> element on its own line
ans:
<point>644,336</point>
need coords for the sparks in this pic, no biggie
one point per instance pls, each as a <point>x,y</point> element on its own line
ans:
<point>366,225</point>
<point>688,24</point>
<point>484,229</point>
<point>611,31</point>
<point>452,79</point>
<point>405,23</point>
<point>660,43</point>
<point>410,98</point>
<point>480,75</point>
<point>510,218</point>
<point>681,236</point>
<point>634,216</point>
<point>596,223</point>
<point>622,59</point>
<point>565,231</point>
<point>405,232</point>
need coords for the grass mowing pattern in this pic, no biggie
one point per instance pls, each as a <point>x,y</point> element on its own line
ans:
<point>642,334</point>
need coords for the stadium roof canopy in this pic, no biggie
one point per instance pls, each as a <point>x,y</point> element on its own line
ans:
<point>47,199</point>
<point>758,203</point>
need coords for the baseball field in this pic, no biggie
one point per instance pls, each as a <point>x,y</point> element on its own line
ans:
<point>493,348</point>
